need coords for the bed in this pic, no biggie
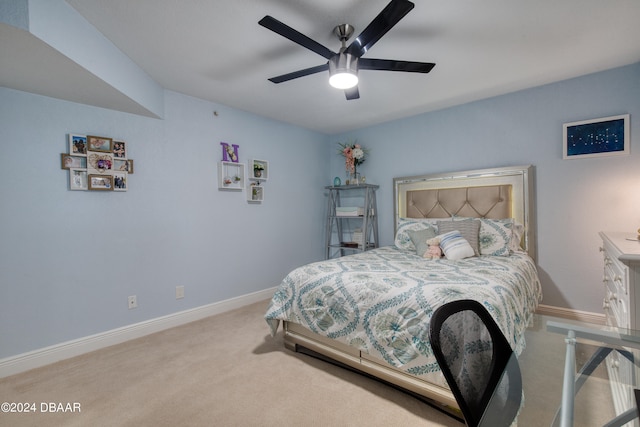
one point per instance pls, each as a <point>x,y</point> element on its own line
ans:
<point>370,311</point>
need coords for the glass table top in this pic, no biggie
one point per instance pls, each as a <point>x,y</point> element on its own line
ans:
<point>606,392</point>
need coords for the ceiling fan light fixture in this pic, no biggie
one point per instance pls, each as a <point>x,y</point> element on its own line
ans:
<point>343,71</point>
<point>345,80</point>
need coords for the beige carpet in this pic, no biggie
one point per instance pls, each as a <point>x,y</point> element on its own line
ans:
<point>225,370</point>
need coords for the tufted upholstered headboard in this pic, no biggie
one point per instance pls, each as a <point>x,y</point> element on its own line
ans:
<point>486,193</point>
<point>478,202</point>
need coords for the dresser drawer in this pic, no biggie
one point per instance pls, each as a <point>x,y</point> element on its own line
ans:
<point>616,300</point>
<point>615,271</point>
<point>616,305</point>
<point>621,377</point>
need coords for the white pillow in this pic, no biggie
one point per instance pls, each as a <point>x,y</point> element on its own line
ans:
<point>499,237</point>
<point>403,240</point>
<point>496,236</point>
<point>468,228</point>
<point>455,246</point>
<point>518,230</point>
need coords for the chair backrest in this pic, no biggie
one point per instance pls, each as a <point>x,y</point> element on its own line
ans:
<point>477,362</point>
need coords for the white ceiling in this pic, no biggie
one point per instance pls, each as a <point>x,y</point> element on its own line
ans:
<point>215,50</point>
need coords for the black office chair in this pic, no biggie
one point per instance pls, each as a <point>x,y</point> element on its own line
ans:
<point>477,362</point>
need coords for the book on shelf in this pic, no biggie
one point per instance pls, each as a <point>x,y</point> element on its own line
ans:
<point>358,237</point>
<point>349,211</point>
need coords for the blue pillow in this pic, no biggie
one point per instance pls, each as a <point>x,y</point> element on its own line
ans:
<point>419,239</point>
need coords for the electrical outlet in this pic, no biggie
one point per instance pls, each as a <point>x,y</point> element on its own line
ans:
<point>133,302</point>
<point>179,292</point>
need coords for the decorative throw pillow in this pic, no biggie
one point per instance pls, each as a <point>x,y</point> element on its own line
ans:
<point>455,246</point>
<point>419,239</point>
<point>496,236</point>
<point>402,240</point>
<point>517,230</point>
<point>468,228</point>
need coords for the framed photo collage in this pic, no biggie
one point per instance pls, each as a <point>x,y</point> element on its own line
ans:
<point>97,163</point>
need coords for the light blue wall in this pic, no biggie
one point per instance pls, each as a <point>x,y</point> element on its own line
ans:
<point>69,259</point>
<point>15,12</point>
<point>575,198</point>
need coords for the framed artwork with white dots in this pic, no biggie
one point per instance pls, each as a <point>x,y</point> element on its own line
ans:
<point>607,136</point>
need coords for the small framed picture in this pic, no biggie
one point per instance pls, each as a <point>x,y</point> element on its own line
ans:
<point>77,145</point>
<point>68,161</point>
<point>101,182</point>
<point>120,181</point>
<point>100,162</point>
<point>607,136</point>
<point>122,165</point>
<point>119,150</point>
<point>99,143</point>
<point>78,179</point>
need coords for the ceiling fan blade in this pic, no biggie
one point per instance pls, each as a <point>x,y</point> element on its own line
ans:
<point>352,93</point>
<point>300,73</point>
<point>295,36</point>
<point>392,65</point>
<point>381,24</point>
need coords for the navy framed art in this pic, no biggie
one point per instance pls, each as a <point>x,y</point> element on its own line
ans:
<point>607,136</point>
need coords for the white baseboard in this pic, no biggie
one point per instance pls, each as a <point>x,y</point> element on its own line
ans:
<point>569,313</point>
<point>23,362</point>
<point>47,355</point>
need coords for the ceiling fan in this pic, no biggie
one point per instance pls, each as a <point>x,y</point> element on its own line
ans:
<point>343,66</point>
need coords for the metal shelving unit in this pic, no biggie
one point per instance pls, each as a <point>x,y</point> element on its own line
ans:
<point>342,237</point>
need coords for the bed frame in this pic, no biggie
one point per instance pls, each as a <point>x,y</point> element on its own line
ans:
<point>488,193</point>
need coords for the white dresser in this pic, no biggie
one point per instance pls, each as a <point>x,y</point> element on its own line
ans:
<point>621,281</point>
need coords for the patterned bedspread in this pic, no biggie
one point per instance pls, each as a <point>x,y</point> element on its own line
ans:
<point>380,301</point>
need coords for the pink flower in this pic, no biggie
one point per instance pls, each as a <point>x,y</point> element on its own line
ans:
<point>354,155</point>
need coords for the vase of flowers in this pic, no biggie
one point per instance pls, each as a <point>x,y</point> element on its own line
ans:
<point>354,155</point>
<point>257,170</point>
